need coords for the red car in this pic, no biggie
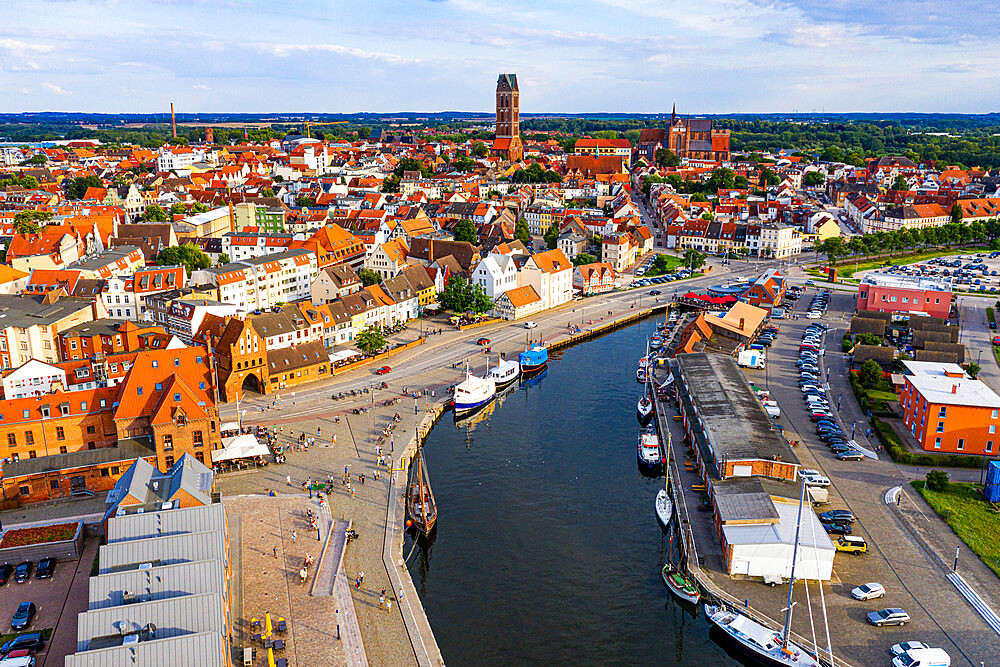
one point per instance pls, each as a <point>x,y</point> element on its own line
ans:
<point>996,340</point>
<point>483,341</point>
<point>383,370</point>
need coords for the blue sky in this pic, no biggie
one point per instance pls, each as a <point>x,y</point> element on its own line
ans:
<point>710,56</point>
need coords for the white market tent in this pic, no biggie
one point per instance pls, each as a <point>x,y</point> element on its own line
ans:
<point>240,447</point>
<point>344,355</point>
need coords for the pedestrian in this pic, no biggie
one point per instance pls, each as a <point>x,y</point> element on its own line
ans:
<point>361,575</point>
<point>275,552</point>
<point>383,591</point>
<point>388,605</point>
<point>381,601</point>
<point>353,493</point>
<point>400,596</point>
<point>357,582</point>
<point>288,480</point>
<point>362,479</point>
<point>294,535</point>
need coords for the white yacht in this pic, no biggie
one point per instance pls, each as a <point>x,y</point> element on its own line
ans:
<point>505,372</point>
<point>474,392</point>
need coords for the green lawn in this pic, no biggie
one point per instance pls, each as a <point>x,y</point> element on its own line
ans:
<point>877,395</point>
<point>846,267</point>
<point>973,519</point>
<point>672,264</point>
<point>989,315</point>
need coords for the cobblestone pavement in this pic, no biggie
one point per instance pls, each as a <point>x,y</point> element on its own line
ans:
<point>278,525</point>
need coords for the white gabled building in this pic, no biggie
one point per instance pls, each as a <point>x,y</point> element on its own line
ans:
<point>495,274</point>
<point>550,273</point>
<point>263,282</point>
<point>34,378</point>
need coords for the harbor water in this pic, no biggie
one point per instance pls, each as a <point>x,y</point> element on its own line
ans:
<point>547,548</point>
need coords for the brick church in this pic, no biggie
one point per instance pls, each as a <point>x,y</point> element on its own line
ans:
<point>688,138</point>
<point>507,143</point>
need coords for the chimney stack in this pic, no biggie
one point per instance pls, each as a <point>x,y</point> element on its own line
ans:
<point>173,120</point>
<point>742,323</point>
<point>954,388</point>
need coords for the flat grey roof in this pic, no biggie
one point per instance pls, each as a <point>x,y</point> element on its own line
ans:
<point>158,583</point>
<point>27,311</point>
<point>166,523</point>
<point>730,414</point>
<point>103,258</point>
<point>205,649</point>
<point>172,617</point>
<point>125,451</point>
<point>742,500</point>
<point>169,550</point>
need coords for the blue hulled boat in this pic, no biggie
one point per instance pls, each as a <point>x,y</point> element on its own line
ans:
<point>533,358</point>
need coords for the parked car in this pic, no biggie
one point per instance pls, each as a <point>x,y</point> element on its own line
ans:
<point>889,616</point>
<point>837,515</point>
<point>5,571</point>
<point>22,617</point>
<point>837,528</point>
<point>853,455</point>
<point>23,572</point>
<point>30,640</point>
<point>383,370</point>
<point>530,325</point>
<point>46,567</point>
<point>903,647</point>
<point>851,544</point>
<point>869,592</point>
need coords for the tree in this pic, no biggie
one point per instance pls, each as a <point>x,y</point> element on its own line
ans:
<point>583,258</point>
<point>870,375</point>
<point>390,184</point>
<point>305,202</point>
<point>37,158</point>
<point>479,149</point>
<point>266,192</point>
<point>411,164</point>
<point>698,196</point>
<point>972,368</point>
<point>465,230</point>
<point>26,182</point>
<point>189,256</point>
<point>463,163</point>
<point>78,188</point>
<point>832,154</point>
<point>768,178</point>
<point>223,259</point>
<point>154,213</point>
<point>370,340</point>
<point>870,339</point>
<point>666,158</point>
<point>461,296</point>
<point>369,277</point>
<point>26,222</point>
<point>813,178</point>
<point>899,183</point>
<point>693,259</point>
<point>832,247</point>
<point>937,480</point>
<point>956,213</point>
<point>522,233</point>
<point>551,237</point>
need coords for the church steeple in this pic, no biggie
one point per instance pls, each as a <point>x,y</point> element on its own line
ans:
<point>673,114</point>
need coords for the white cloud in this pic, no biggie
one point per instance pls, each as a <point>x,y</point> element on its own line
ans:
<point>18,46</point>
<point>284,50</point>
<point>53,88</point>
<point>201,86</point>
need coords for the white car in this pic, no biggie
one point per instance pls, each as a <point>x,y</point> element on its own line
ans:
<point>815,480</point>
<point>813,315</point>
<point>868,592</point>
<point>900,649</point>
<point>530,325</point>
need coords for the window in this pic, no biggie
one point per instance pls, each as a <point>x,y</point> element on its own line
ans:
<point>943,412</point>
<point>91,445</point>
<point>937,443</point>
<point>12,439</point>
<point>60,434</point>
<point>104,472</point>
<point>993,429</point>
<point>54,484</point>
<point>198,440</point>
<point>989,445</point>
<point>200,456</point>
<point>961,444</point>
<point>177,361</point>
<point>159,386</point>
<point>29,438</point>
<point>90,429</point>
<point>72,345</point>
<point>62,449</point>
<point>994,414</point>
<point>169,460</point>
<point>940,427</point>
<point>201,385</point>
<point>177,398</point>
<point>114,470</point>
<point>156,364</point>
<point>64,409</point>
<point>32,454</point>
<point>138,391</point>
<point>45,411</point>
<point>25,490</point>
<point>26,414</point>
<point>168,441</point>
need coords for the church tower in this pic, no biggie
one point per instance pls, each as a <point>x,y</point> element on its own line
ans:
<point>507,143</point>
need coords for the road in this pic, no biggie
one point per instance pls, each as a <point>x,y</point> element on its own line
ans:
<point>941,617</point>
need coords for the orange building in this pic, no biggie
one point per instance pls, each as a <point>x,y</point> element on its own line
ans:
<point>946,411</point>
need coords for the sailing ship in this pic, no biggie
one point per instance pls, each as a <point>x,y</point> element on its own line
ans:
<point>681,586</point>
<point>534,358</point>
<point>648,452</point>
<point>644,409</point>
<point>504,373</point>
<point>665,506</point>
<point>759,641</point>
<point>473,392</point>
<point>420,505</point>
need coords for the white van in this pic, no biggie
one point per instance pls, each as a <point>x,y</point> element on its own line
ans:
<point>923,657</point>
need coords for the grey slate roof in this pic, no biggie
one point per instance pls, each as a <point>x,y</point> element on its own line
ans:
<point>743,500</point>
<point>28,311</point>
<point>205,649</point>
<point>126,451</point>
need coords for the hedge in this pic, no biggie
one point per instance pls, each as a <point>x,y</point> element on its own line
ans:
<point>900,454</point>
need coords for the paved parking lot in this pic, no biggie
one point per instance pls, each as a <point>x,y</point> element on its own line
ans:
<point>940,616</point>
<point>58,601</point>
<point>969,272</point>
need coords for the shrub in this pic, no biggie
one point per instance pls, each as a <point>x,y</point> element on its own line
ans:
<point>937,480</point>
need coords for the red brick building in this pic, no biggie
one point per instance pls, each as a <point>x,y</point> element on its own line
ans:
<point>892,293</point>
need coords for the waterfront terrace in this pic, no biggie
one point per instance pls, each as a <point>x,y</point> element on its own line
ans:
<point>725,420</point>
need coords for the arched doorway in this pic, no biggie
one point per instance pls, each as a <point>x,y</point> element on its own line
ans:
<point>251,383</point>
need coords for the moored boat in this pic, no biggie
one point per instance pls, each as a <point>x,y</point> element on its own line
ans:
<point>656,341</point>
<point>644,410</point>
<point>664,507</point>
<point>757,640</point>
<point>648,451</point>
<point>681,586</point>
<point>504,373</point>
<point>420,504</point>
<point>533,358</point>
<point>473,392</point>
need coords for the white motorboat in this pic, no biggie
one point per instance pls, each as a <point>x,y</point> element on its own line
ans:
<point>505,372</point>
<point>665,506</point>
<point>644,410</point>
<point>473,392</point>
<point>648,451</point>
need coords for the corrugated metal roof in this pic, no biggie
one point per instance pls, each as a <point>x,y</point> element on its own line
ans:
<point>158,583</point>
<point>169,550</point>
<point>166,523</point>
<point>206,649</point>
<point>173,617</point>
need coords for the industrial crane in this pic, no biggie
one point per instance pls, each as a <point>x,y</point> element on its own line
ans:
<point>332,122</point>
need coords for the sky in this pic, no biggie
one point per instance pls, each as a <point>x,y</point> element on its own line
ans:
<point>572,56</point>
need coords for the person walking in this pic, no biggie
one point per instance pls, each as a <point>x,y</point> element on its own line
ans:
<point>400,596</point>
<point>361,576</point>
<point>275,552</point>
<point>388,605</point>
<point>381,601</point>
<point>294,535</point>
<point>288,480</point>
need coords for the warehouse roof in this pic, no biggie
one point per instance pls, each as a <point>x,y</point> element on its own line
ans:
<point>157,583</point>
<point>206,649</point>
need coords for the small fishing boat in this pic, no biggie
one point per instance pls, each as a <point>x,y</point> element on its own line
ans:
<point>473,392</point>
<point>505,373</point>
<point>656,341</point>
<point>644,410</point>
<point>533,358</point>
<point>682,587</point>
<point>420,505</point>
<point>648,451</point>
<point>640,375</point>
